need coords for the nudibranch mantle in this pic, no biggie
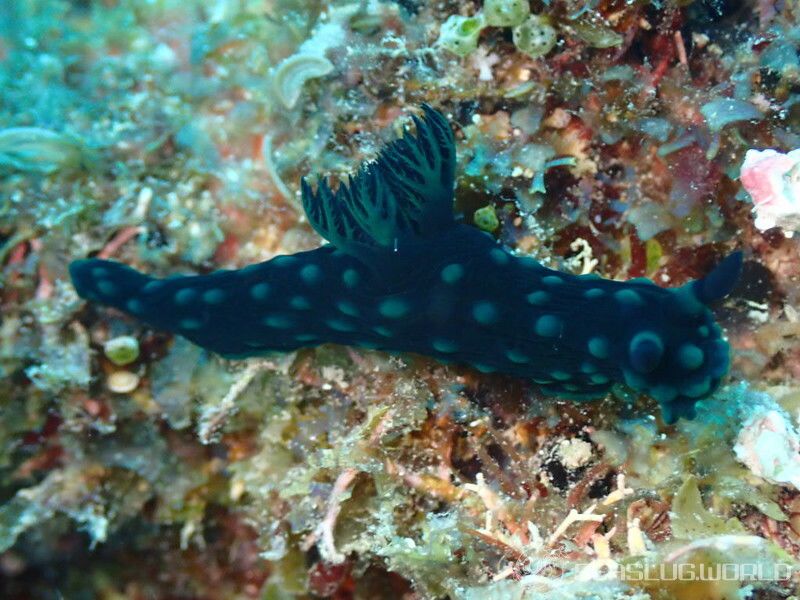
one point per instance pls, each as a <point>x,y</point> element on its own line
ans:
<point>400,274</point>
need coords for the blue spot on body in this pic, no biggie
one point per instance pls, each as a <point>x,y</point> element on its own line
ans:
<point>260,291</point>
<point>698,389</point>
<point>284,260</point>
<point>107,288</point>
<point>394,308</point>
<point>190,324</point>
<point>443,345</point>
<point>500,257</point>
<point>517,357</point>
<point>340,325</point>
<point>351,278</point>
<point>690,356</point>
<point>348,308</point>
<point>278,321</point>
<point>548,326</point>
<point>552,280</point>
<point>152,287</point>
<point>539,298</point>
<point>300,303</point>
<point>485,312</point>
<point>629,297</point>
<point>213,296</point>
<point>185,296</point>
<point>594,293</point>
<point>135,306</point>
<point>598,347</point>
<point>452,273</point>
<point>311,274</point>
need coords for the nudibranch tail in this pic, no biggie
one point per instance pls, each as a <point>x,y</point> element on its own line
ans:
<point>160,302</point>
<point>402,275</point>
<point>108,282</point>
<point>234,313</point>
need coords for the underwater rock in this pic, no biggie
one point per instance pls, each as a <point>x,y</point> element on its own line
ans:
<point>773,181</point>
<point>769,445</point>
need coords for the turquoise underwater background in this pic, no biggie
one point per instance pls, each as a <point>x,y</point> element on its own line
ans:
<point>621,139</point>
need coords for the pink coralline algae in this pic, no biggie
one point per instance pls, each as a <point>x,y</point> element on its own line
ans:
<point>773,181</point>
<point>768,444</point>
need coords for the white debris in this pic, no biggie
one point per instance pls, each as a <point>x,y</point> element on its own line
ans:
<point>769,445</point>
<point>773,181</point>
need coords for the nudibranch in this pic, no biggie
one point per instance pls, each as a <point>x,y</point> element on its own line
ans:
<point>400,274</point>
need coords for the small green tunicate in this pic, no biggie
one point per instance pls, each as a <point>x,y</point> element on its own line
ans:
<point>597,34</point>
<point>122,350</point>
<point>486,218</point>
<point>460,34</point>
<point>535,37</point>
<point>506,13</point>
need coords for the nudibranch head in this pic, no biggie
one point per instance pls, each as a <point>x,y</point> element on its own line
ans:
<point>680,356</point>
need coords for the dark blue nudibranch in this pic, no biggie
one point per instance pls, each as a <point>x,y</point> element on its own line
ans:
<point>400,274</point>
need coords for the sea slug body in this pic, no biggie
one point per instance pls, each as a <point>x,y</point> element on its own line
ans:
<point>400,274</point>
